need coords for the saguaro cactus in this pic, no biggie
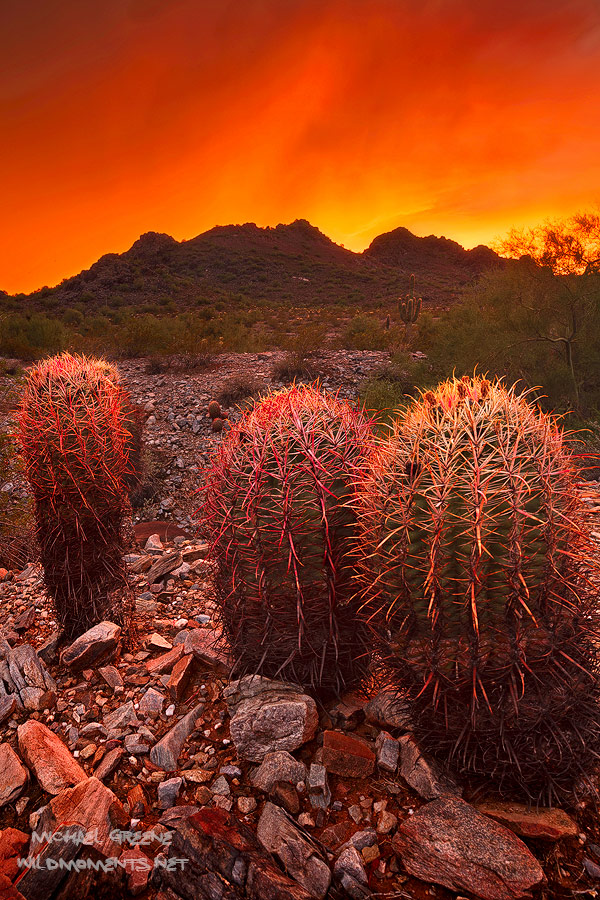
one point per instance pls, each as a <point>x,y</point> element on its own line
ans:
<point>478,568</point>
<point>277,506</point>
<point>74,438</point>
<point>409,308</point>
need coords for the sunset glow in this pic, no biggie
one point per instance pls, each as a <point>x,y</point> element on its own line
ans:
<point>449,117</point>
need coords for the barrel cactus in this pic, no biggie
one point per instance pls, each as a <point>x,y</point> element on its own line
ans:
<point>283,534</point>
<point>74,437</point>
<point>479,574</point>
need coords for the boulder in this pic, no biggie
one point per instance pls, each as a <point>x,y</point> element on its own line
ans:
<point>94,808</point>
<point>13,775</point>
<point>449,842</point>
<point>422,774</point>
<point>48,758</point>
<point>532,822</point>
<point>97,645</point>
<point>299,856</point>
<point>278,766</point>
<point>347,755</point>
<point>268,717</point>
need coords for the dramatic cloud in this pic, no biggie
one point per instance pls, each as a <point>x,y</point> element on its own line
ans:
<point>456,117</point>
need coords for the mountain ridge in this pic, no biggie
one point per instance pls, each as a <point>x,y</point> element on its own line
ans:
<point>290,262</point>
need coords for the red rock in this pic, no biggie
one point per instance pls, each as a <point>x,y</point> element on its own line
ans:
<point>92,806</point>
<point>138,804</point>
<point>8,891</point>
<point>205,645</point>
<point>449,842</point>
<point>109,763</point>
<point>546,824</point>
<point>48,758</point>
<point>180,676</point>
<point>165,662</point>
<point>13,843</point>
<point>347,755</point>
<point>138,869</point>
<point>13,774</point>
<point>95,646</point>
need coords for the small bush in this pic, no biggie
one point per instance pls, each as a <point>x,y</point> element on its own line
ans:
<point>238,389</point>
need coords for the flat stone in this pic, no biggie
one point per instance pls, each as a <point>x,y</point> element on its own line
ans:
<point>30,678</point>
<point>111,676</point>
<point>13,844</point>
<point>224,861</point>
<point>8,705</point>
<point>48,758</point>
<point>136,745</point>
<point>318,787</point>
<point>92,806</point>
<point>448,842</point>
<point>180,676</point>
<point>387,749</point>
<point>299,856</point>
<point>532,822</point>
<point>246,805</point>
<point>44,877</point>
<point>278,766</point>
<point>138,867</point>
<point>13,775</point>
<point>165,753</point>
<point>422,774</point>
<point>168,792</point>
<point>109,763</point>
<point>349,870</point>
<point>123,716</point>
<point>165,662</point>
<point>158,643</point>
<point>154,544</point>
<point>98,644</point>
<point>272,720</point>
<point>347,755</point>
<point>152,703</point>
<point>221,786</point>
<point>205,645</point>
<point>163,566</point>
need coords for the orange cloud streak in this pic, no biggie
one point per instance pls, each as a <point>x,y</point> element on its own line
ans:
<point>456,117</point>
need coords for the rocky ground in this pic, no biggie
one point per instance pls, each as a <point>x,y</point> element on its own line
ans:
<point>136,753</point>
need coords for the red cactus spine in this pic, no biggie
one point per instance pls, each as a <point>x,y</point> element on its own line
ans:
<point>479,570</point>
<point>73,435</point>
<point>277,507</point>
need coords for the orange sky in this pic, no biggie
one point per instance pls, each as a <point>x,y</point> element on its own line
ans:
<point>455,117</point>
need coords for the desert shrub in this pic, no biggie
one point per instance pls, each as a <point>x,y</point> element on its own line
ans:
<point>240,388</point>
<point>364,333</point>
<point>29,336</point>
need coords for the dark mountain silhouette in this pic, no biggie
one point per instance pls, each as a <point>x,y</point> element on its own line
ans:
<point>293,263</point>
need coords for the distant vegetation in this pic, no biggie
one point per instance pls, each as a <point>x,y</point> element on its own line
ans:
<point>535,319</point>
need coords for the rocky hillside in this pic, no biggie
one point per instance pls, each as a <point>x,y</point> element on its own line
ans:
<point>292,263</point>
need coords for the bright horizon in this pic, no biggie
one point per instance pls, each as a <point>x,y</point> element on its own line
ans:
<point>455,118</point>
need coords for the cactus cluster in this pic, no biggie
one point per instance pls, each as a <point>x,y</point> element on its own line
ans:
<point>75,435</point>
<point>453,556</point>
<point>478,574</point>
<point>284,536</point>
